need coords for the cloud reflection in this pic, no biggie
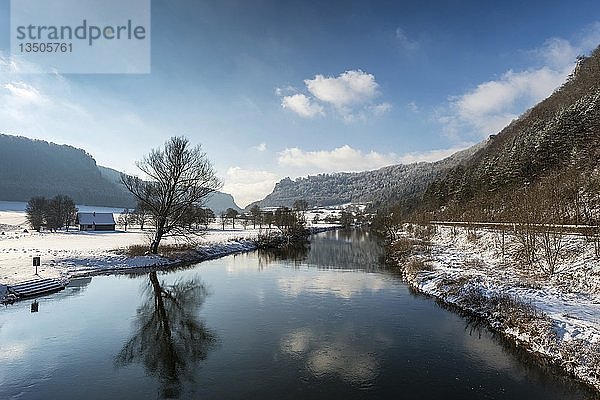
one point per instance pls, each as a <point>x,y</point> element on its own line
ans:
<point>325,357</point>
<point>339,284</point>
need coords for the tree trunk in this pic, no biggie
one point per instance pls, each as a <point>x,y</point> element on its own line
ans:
<point>156,242</point>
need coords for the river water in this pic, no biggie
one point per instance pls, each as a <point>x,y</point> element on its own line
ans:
<point>320,323</point>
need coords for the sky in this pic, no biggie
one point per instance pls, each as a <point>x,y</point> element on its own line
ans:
<point>280,88</point>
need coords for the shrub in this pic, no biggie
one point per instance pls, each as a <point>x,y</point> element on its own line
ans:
<point>415,266</point>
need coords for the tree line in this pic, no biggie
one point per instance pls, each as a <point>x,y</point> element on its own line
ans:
<point>52,214</point>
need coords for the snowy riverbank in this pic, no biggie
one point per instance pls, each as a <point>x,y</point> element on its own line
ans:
<point>74,253</point>
<point>555,316</point>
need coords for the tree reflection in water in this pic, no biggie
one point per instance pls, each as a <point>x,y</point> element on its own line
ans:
<point>293,254</point>
<point>169,337</point>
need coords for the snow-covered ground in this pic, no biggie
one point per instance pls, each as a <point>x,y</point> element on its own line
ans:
<point>64,254</point>
<point>569,301</point>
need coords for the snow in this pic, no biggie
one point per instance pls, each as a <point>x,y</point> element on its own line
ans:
<point>66,254</point>
<point>570,298</point>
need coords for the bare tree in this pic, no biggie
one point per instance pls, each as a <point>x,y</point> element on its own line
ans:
<point>36,208</point>
<point>125,218</point>
<point>141,215</point>
<point>231,214</point>
<point>255,212</point>
<point>60,211</point>
<point>179,177</point>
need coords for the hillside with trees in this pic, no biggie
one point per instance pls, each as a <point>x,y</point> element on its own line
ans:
<point>550,154</point>
<point>30,168</point>
<point>379,187</point>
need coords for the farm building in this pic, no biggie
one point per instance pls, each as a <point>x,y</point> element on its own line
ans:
<point>94,221</point>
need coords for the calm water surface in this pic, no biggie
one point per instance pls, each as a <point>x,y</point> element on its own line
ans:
<point>315,324</point>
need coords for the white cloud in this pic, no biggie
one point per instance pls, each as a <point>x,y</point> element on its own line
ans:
<point>350,95</point>
<point>301,105</point>
<point>492,105</point>
<point>557,53</point>
<point>21,91</point>
<point>348,159</point>
<point>343,158</point>
<point>338,356</point>
<point>412,106</point>
<point>590,36</point>
<point>260,147</point>
<point>48,107</point>
<point>350,87</point>
<point>248,185</point>
<point>405,42</point>
<point>380,109</point>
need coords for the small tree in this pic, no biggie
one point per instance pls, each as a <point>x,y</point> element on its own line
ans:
<point>346,219</point>
<point>206,216</point>
<point>223,217</point>
<point>180,176</point>
<point>36,209</point>
<point>255,212</point>
<point>245,221</point>
<point>70,211</point>
<point>268,217</point>
<point>125,218</point>
<point>300,206</point>
<point>59,211</point>
<point>141,215</point>
<point>231,214</point>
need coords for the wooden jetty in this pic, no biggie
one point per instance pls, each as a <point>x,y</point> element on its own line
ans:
<point>36,287</point>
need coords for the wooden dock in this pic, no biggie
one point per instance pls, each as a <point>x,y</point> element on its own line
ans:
<point>36,287</point>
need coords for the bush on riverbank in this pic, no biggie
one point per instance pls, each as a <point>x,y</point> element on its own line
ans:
<point>165,250</point>
<point>277,240</point>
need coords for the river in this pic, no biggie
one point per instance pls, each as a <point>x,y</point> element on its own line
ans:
<point>324,322</point>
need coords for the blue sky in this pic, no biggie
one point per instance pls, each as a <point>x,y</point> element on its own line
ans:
<point>290,88</point>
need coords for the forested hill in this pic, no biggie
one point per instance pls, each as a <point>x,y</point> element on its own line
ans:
<point>555,144</point>
<point>383,186</point>
<point>37,168</point>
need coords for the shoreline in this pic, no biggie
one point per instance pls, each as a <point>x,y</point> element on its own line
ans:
<point>149,263</point>
<point>506,305</point>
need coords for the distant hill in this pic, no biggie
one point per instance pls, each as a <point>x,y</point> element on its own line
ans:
<point>217,201</point>
<point>31,167</point>
<point>385,185</point>
<point>38,168</point>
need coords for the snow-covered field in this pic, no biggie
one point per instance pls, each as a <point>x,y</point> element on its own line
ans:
<point>64,254</point>
<point>569,301</point>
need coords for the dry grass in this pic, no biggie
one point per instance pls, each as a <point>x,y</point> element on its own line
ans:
<point>166,250</point>
<point>474,263</point>
<point>507,310</point>
<point>402,248</point>
<point>415,266</point>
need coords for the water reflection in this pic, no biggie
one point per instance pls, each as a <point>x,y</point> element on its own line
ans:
<point>169,337</point>
<point>294,255</point>
<point>326,357</point>
<point>341,249</point>
<point>345,249</point>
